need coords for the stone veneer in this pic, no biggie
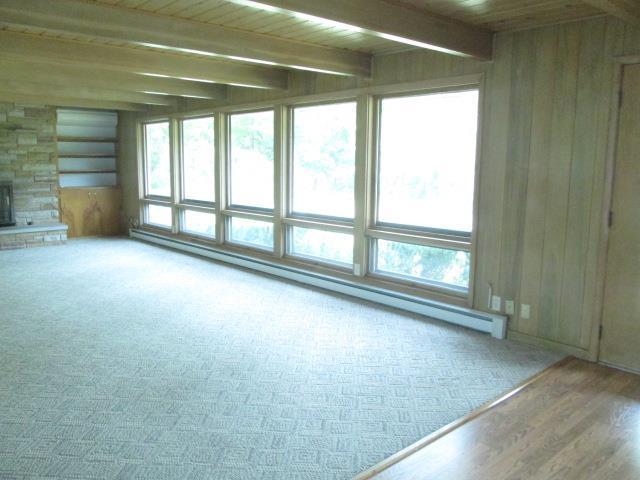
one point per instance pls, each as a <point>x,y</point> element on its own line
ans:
<point>28,158</point>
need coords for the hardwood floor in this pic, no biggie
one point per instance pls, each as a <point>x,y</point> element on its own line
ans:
<point>577,420</point>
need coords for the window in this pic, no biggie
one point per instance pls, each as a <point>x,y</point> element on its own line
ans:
<point>199,223</point>
<point>159,216</point>
<point>198,160</point>
<point>324,151</point>
<point>409,222</point>
<point>423,263</point>
<point>157,159</point>
<point>427,153</point>
<point>253,233</point>
<point>425,187</point>
<point>322,245</point>
<point>251,148</point>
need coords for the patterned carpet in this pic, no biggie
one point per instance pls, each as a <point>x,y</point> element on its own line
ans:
<point>120,360</point>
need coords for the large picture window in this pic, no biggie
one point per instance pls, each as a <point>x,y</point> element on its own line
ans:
<point>324,152</point>
<point>427,160</point>
<point>157,159</point>
<point>425,187</point>
<point>378,186</point>
<point>251,146</point>
<point>198,160</point>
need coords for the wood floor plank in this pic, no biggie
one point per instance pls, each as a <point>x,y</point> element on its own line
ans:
<point>579,420</point>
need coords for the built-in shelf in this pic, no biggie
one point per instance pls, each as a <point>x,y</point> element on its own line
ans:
<point>87,153</point>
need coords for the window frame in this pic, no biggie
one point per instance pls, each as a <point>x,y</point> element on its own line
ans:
<point>184,201</point>
<point>251,217</point>
<point>145,159</point>
<point>363,226</point>
<point>290,213</point>
<point>413,234</point>
<point>233,207</point>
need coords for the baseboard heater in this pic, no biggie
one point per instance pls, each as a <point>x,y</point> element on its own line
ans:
<point>494,324</point>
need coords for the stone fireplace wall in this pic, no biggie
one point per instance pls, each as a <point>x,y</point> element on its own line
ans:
<point>28,158</point>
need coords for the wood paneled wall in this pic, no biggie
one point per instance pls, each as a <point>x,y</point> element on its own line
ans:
<point>541,219</point>
<point>546,114</point>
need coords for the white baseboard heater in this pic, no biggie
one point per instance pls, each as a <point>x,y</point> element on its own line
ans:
<point>494,324</point>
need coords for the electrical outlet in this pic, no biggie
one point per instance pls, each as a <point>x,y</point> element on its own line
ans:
<point>496,303</point>
<point>525,311</point>
<point>509,307</point>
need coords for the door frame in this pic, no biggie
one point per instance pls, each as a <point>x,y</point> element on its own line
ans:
<point>620,63</point>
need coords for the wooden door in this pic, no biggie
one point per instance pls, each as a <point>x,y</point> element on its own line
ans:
<point>91,211</point>
<point>620,344</point>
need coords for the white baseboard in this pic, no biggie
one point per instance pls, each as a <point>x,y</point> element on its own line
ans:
<point>494,324</point>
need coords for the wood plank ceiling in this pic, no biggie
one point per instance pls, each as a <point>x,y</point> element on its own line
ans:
<point>185,46</point>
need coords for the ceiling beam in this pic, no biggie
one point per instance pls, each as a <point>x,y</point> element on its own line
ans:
<point>394,22</point>
<point>134,60</point>
<point>627,10</point>
<point>87,93</point>
<point>66,76</point>
<point>58,101</point>
<point>144,28</point>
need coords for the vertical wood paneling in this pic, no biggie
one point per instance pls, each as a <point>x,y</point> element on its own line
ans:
<point>562,128</point>
<point>581,180</point>
<point>538,176</point>
<point>516,175</point>
<point>493,164</point>
<point>591,314</point>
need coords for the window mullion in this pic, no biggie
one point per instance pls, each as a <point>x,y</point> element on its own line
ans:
<point>176,163</point>
<point>142,171</point>
<point>280,175</point>
<point>364,134</point>
<point>221,162</point>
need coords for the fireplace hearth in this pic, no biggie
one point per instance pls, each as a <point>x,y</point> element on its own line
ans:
<point>7,209</point>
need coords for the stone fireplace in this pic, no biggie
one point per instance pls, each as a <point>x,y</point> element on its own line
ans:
<point>29,177</point>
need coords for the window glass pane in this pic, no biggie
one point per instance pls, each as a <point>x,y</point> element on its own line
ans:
<point>158,164</point>
<point>198,153</point>
<point>200,223</point>
<point>323,245</point>
<point>158,215</point>
<point>251,159</point>
<point>423,263</point>
<point>427,160</point>
<point>251,232</point>
<point>324,151</point>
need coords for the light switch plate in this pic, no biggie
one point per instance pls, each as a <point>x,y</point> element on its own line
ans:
<point>525,311</point>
